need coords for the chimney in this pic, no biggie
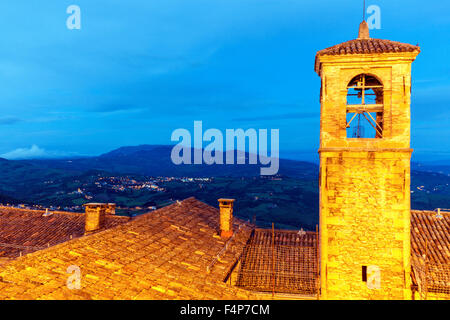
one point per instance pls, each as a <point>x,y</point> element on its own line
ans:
<point>111,208</point>
<point>95,217</point>
<point>226,217</point>
<point>364,33</point>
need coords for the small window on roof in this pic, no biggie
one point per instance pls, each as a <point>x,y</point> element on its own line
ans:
<point>365,107</point>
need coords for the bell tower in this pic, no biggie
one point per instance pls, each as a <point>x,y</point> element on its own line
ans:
<point>365,168</point>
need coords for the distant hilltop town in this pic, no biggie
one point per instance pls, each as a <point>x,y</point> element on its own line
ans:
<point>116,184</point>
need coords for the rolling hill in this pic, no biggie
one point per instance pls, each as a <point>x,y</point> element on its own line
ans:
<point>154,160</point>
<point>289,199</point>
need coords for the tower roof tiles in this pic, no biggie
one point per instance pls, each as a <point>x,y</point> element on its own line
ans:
<point>365,45</point>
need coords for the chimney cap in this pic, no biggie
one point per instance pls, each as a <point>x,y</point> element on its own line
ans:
<point>93,204</point>
<point>224,199</point>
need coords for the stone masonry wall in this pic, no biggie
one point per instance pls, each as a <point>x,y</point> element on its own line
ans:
<point>365,221</point>
<point>365,183</point>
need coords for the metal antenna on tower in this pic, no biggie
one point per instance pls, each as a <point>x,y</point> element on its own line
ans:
<point>364,11</point>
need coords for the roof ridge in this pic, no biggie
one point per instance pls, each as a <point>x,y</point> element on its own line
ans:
<point>41,211</point>
<point>60,212</point>
<point>371,40</point>
<point>431,212</point>
<point>365,46</point>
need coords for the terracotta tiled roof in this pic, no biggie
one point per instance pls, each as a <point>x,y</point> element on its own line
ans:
<point>164,254</point>
<point>365,46</point>
<point>431,234</point>
<point>294,263</point>
<point>24,231</point>
<point>430,250</point>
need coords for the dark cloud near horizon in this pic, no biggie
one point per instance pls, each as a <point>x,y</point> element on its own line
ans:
<point>113,107</point>
<point>9,120</point>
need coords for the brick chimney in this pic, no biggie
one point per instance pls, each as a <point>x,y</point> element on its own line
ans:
<point>111,208</point>
<point>95,217</point>
<point>226,217</point>
<point>364,33</point>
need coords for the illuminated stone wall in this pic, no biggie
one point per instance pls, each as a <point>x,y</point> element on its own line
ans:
<point>365,184</point>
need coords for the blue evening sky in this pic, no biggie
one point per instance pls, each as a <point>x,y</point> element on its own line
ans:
<point>137,70</point>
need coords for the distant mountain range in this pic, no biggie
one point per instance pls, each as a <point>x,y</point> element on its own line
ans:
<point>154,160</point>
<point>291,198</point>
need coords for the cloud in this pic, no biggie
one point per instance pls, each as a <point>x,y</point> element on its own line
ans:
<point>35,152</point>
<point>114,108</point>
<point>25,153</point>
<point>9,120</point>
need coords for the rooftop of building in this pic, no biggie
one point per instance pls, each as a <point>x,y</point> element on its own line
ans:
<point>176,252</point>
<point>430,235</point>
<point>171,253</point>
<point>364,44</point>
<point>430,250</point>
<point>24,231</point>
<point>280,261</point>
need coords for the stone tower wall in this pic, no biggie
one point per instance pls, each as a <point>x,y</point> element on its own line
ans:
<point>365,184</point>
<point>365,224</point>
